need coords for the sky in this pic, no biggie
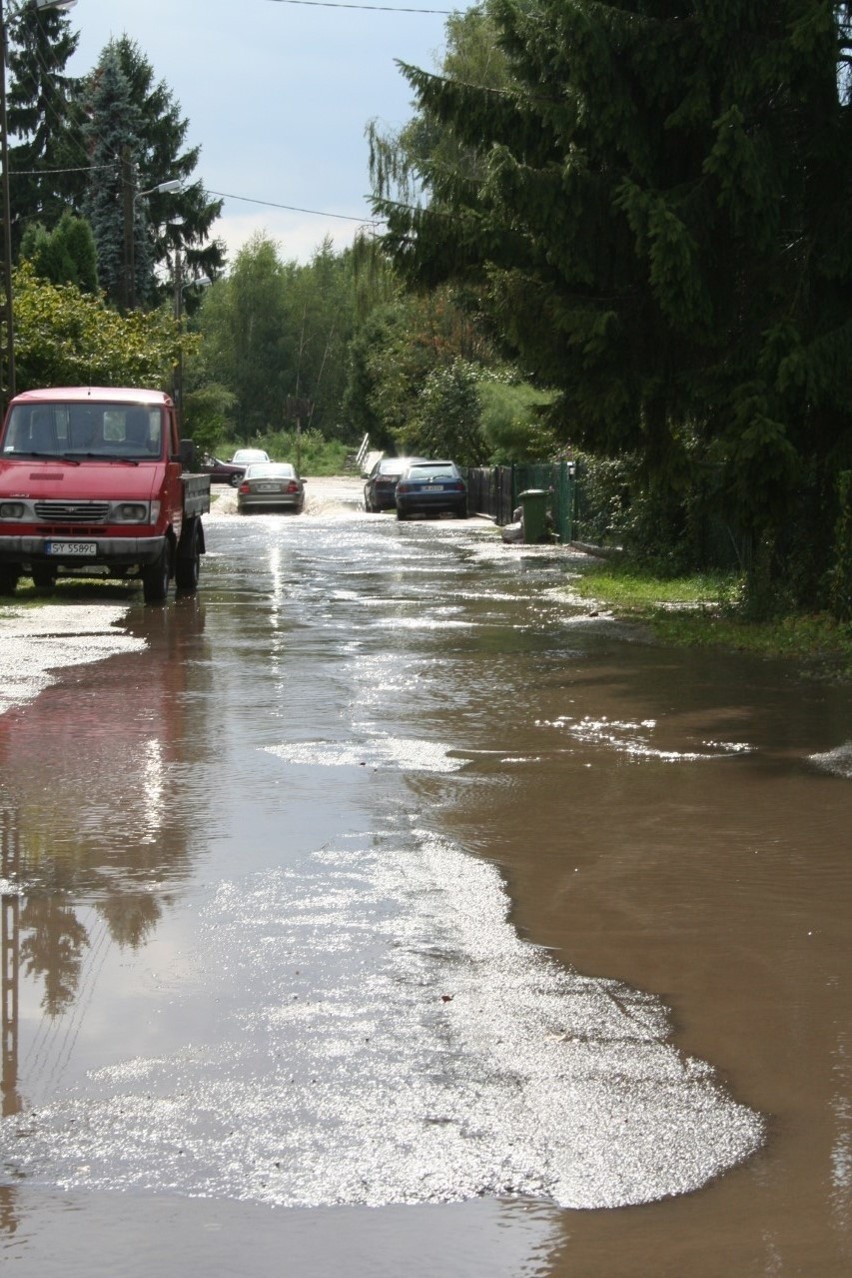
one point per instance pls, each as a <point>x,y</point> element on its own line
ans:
<point>278,95</point>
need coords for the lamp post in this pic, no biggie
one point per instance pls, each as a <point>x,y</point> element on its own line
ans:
<point>7,203</point>
<point>181,284</point>
<point>131,195</point>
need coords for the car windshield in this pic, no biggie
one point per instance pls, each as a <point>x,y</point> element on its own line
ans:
<point>248,455</point>
<point>87,429</point>
<point>433,470</point>
<point>393,465</point>
<point>277,470</point>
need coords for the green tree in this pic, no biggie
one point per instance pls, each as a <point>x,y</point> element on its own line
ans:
<point>49,164</point>
<point>660,211</point>
<point>319,304</point>
<point>512,417</point>
<point>118,219</point>
<point>137,136</point>
<point>65,255</point>
<point>445,421</point>
<point>243,320</point>
<point>396,351</point>
<point>275,332</point>
<point>178,223</point>
<point>67,338</point>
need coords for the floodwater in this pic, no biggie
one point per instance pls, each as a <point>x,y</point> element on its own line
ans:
<point>385,910</point>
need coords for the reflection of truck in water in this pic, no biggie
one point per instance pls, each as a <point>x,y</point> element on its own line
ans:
<point>95,482</point>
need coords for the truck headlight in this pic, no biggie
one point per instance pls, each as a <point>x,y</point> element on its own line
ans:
<point>134,512</point>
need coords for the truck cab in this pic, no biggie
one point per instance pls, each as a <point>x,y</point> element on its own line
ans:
<point>95,481</point>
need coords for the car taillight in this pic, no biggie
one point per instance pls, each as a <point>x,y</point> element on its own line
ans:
<point>403,488</point>
<point>292,487</point>
<point>244,488</point>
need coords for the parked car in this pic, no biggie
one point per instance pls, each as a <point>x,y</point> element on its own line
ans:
<point>431,488</point>
<point>248,456</point>
<point>267,485</point>
<point>382,481</point>
<point>221,472</point>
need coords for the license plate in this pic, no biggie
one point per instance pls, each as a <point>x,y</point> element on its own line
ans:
<point>433,488</point>
<point>269,488</point>
<point>82,548</point>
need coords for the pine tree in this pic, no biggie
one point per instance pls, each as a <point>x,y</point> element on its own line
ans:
<point>117,217</point>
<point>48,166</point>
<point>178,221</point>
<point>660,209</point>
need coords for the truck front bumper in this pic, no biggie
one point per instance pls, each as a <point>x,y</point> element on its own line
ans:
<point>116,552</point>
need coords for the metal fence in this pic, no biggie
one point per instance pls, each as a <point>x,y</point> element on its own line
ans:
<point>495,490</point>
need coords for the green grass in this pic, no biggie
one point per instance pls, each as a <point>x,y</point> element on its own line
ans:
<point>704,611</point>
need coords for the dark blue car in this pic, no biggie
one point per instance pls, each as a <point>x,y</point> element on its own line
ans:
<point>431,488</point>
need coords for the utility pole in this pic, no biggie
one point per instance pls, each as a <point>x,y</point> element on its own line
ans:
<point>7,221</point>
<point>128,196</point>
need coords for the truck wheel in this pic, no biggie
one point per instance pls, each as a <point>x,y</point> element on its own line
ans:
<point>155,577</point>
<point>8,580</point>
<point>44,577</point>
<point>188,563</point>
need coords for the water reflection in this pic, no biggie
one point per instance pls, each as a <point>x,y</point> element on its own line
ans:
<point>94,838</point>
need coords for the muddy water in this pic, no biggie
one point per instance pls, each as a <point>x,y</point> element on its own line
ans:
<point>383,910</point>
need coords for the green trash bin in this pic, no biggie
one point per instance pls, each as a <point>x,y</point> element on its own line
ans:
<point>534,505</point>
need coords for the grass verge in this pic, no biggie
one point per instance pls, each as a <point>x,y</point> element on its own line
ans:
<point>705,611</point>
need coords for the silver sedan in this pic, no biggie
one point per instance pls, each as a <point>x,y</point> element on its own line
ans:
<point>269,486</point>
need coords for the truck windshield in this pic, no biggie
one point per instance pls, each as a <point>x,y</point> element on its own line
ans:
<point>84,430</point>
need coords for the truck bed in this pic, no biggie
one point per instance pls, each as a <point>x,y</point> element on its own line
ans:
<point>196,494</point>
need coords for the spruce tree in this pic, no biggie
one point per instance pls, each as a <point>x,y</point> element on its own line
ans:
<point>117,216</point>
<point>179,222</point>
<point>660,209</point>
<point>48,164</point>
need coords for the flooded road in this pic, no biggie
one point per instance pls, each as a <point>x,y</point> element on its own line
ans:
<point>382,909</point>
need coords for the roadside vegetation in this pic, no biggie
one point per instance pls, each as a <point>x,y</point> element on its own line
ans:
<point>309,451</point>
<point>707,611</point>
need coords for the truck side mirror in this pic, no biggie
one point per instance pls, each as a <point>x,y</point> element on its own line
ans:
<point>187,454</point>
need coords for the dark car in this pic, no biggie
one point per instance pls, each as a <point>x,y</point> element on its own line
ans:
<point>267,485</point>
<point>431,488</point>
<point>382,481</point>
<point>221,472</point>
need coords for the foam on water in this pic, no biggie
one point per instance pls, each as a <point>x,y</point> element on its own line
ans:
<point>404,754</point>
<point>633,737</point>
<point>837,761</point>
<point>383,1035</point>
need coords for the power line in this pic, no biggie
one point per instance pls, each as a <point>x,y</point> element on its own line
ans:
<point>84,168</point>
<point>381,8</point>
<point>292,208</point>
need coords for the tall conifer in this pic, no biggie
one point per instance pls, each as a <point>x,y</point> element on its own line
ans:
<point>661,210</point>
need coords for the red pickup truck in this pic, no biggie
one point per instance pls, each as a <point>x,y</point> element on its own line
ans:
<point>94,481</point>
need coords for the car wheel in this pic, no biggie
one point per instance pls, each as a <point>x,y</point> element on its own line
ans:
<point>44,577</point>
<point>188,565</point>
<point>401,514</point>
<point>8,580</point>
<point>156,577</point>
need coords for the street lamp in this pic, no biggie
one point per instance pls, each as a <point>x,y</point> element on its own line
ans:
<point>7,203</point>
<point>200,281</point>
<point>131,195</point>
